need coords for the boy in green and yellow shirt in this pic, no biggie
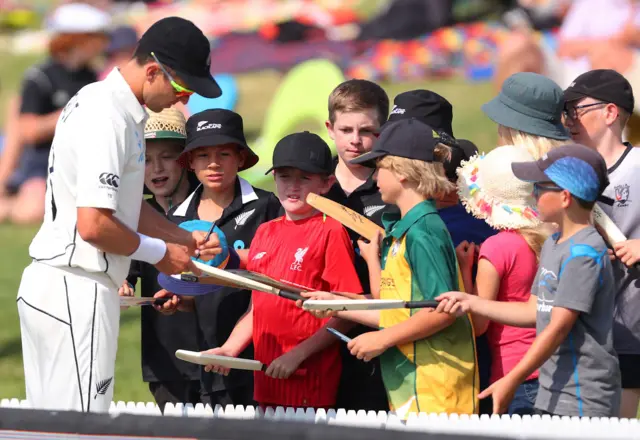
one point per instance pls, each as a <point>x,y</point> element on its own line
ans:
<point>428,360</point>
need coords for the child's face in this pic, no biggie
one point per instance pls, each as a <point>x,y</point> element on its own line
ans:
<point>551,201</point>
<point>587,125</point>
<point>217,167</point>
<point>292,187</point>
<point>162,171</point>
<point>388,183</point>
<point>354,132</point>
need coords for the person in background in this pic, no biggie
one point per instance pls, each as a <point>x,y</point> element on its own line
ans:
<point>598,107</point>
<point>123,42</point>
<point>465,230</point>
<point>507,261</point>
<point>79,35</point>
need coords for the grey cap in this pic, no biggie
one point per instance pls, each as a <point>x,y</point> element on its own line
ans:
<point>531,103</point>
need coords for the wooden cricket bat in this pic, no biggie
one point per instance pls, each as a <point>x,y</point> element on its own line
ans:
<point>339,305</point>
<point>348,217</point>
<point>196,357</point>
<point>607,227</point>
<point>230,279</point>
<point>129,301</point>
<point>267,280</point>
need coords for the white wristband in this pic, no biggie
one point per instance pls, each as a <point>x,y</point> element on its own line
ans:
<point>150,250</point>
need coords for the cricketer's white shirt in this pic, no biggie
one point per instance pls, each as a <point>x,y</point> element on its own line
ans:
<point>96,160</point>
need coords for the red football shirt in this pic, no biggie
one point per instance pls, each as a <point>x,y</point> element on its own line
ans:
<point>314,253</point>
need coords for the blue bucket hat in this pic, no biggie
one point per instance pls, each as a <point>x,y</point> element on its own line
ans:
<point>176,284</point>
<point>530,103</point>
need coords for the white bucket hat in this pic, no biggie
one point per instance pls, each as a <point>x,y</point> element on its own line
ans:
<point>73,18</point>
<point>490,191</point>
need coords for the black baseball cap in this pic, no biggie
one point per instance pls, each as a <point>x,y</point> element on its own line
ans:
<point>580,170</point>
<point>603,84</point>
<point>214,127</point>
<point>408,138</point>
<point>426,106</point>
<point>304,151</point>
<point>180,45</point>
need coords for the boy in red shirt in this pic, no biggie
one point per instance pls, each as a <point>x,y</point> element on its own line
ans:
<point>307,249</point>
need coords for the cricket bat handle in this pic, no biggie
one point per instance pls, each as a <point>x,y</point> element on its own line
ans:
<point>291,295</point>
<point>426,304</point>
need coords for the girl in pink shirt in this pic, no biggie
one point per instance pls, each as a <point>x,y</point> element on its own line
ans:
<point>508,261</point>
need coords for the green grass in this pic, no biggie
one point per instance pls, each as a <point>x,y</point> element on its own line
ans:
<point>255,94</point>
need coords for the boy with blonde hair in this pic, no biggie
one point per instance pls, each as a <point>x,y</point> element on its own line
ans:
<point>428,359</point>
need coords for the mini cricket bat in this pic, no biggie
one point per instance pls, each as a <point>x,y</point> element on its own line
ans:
<point>611,232</point>
<point>196,357</point>
<point>339,305</point>
<point>230,279</point>
<point>129,301</point>
<point>348,217</point>
<point>256,276</point>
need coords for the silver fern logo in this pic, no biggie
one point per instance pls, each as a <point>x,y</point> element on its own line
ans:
<point>102,387</point>
<point>370,210</point>
<point>242,218</point>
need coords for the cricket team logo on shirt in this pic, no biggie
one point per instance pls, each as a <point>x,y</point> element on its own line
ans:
<point>370,210</point>
<point>297,264</point>
<point>622,195</point>
<point>242,218</point>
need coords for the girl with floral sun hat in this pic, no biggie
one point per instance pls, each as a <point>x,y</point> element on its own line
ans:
<point>507,261</point>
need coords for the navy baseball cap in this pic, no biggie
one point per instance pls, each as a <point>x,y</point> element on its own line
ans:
<point>408,138</point>
<point>303,151</point>
<point>122,38</point>
<point>214,127</point>
<point>181,45</point>
<point>580,170</point>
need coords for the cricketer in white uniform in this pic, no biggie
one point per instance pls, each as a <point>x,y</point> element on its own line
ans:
<point>68,301</point>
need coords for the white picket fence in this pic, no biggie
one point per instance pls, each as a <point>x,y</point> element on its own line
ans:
<point>541,427</point>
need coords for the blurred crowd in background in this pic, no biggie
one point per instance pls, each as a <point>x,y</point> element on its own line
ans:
<point>381,40</point>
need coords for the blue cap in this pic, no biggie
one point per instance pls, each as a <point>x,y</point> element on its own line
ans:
<point>122,37</point>
<point>580,170</point>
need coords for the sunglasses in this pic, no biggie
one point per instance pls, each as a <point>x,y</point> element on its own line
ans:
<point>539,189</point>
<point>180,91</point>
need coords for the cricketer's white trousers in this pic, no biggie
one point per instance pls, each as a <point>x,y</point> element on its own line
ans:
<point>69,327</point>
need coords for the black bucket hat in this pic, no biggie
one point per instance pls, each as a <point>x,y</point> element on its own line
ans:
<point>214,127</point>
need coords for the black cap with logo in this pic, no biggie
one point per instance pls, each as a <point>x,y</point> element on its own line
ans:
<point>211,128</point>
<point>303,151</point>
<point>180,45</point>
<point>426,106</point>
<point>408,138</point>
<point>602,84</point>
<point>437,112</point>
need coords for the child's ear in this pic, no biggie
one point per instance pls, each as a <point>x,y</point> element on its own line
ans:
<point>328,183</point>
<point>330,129</point>
<point>242,156</point>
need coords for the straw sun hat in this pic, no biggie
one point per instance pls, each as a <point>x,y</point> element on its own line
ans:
<point>167,124</point>
<point>489,190</point>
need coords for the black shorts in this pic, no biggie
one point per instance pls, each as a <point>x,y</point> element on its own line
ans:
<point>630,370</point>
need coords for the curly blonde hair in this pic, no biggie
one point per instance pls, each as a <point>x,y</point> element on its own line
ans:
<point>429,177</point>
